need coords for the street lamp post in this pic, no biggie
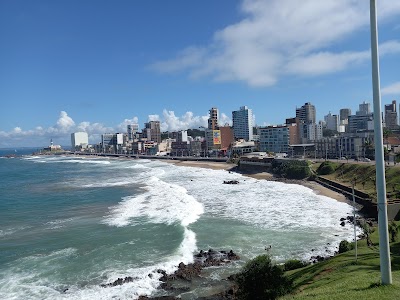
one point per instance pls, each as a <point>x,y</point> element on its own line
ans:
<point>384,252</point>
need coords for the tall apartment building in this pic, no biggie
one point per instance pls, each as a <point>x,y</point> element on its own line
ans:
<point>132,129</point>
<point>332,122</point>
<point>213,119</point>
<point>391,115</point>
<point>152,131</point>
<point>306,113</point>
<point>364,109</point>
<point>344,115</point>
<point>309,131</point>
<point>243,123</point>
<point>79,139</point>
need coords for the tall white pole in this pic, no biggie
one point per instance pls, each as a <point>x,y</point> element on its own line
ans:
<point>384,250</point>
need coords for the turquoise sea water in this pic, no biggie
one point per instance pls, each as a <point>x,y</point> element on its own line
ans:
<point>69,224</point>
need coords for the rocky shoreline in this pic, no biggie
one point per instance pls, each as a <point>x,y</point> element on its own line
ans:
<point>177,282</point>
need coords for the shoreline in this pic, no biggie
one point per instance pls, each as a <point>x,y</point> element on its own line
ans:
<point>316,187</point>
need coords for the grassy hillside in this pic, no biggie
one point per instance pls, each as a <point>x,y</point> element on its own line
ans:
<point>343,278</point>
<point>364,175</point>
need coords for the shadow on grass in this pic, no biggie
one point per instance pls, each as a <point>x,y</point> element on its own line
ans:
<point>373,285</point>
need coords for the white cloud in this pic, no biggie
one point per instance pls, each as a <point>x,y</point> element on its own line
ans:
<point>65,125</point>
<point>283,37</point>
<point>64,122</point>
<point>170,122</point>
<point>393,89</point>
<point>122,127</point>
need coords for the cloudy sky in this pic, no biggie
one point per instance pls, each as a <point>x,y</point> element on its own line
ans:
<point>98,65</point>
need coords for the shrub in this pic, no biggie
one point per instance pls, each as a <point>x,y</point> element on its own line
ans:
<point>326,168</point>
<point>292,169</point>
<point>293,264</point>
<point>344,246</point>
<point>260,279</point>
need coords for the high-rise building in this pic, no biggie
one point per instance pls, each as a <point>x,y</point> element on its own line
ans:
<point>79,139</point>
<point>306,113</point>
<point>391,115</point>
<point>344,115</point>
<point>213,119</point>
<point>364,109</point>
<point>332,121</point>
<point>243,123</point>
<point>132,129</point>
<point>152,131</point>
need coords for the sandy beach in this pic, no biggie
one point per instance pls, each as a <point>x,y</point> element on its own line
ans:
<point>316,187</point>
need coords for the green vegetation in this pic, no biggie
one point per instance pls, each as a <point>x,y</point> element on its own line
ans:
<point>293,264</point>
<point>341,277</point>
<point>291,169</point>
<point>344,246</point>
<point>393,229</point>
<point>363,175</point>
<point>326,168</point>
<point>261,279</point>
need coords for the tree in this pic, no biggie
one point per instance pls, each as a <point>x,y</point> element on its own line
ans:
<point>260,279</point>
<point>367,230</point>
<point>393,229</point>
<point>369,149</point>
<point>328,132</point>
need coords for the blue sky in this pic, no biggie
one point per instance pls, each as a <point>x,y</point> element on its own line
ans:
<point>98,65</point>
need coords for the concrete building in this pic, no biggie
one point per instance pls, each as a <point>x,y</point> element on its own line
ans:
<point>274,139</point>
<point>213,119</point>
<point>332,122</point>
<point>242,147</point>
<point>79,140</point>
<point>242,120</point>
<point>310,132</point>
<point>364,109</point>
<point>152,132</point>
<point>213,139</point>
<point>180,136</point>
<point>360,123</point>
<point>306,113</point>
<point>344,114</point>
<point>227,138</point>
<point>391,115</point>
<point>132,130</point>
<point>112,142</point>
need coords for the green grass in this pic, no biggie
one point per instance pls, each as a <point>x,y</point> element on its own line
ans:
<point>364,174</point>
<point>342,278</point>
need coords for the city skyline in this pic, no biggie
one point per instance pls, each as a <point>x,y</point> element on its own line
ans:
<point>96,66</point>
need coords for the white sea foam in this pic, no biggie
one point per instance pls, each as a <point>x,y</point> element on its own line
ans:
<point>5,232</point>
<point>59,223</point>
<point>161,203</point>
<point>18,283</point>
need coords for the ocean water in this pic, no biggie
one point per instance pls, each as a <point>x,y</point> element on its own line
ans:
<point>69,224</point>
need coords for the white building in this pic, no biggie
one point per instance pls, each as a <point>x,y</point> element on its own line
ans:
<point>243,123</point>
<point>332,122</point>
<point>79,139</point>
